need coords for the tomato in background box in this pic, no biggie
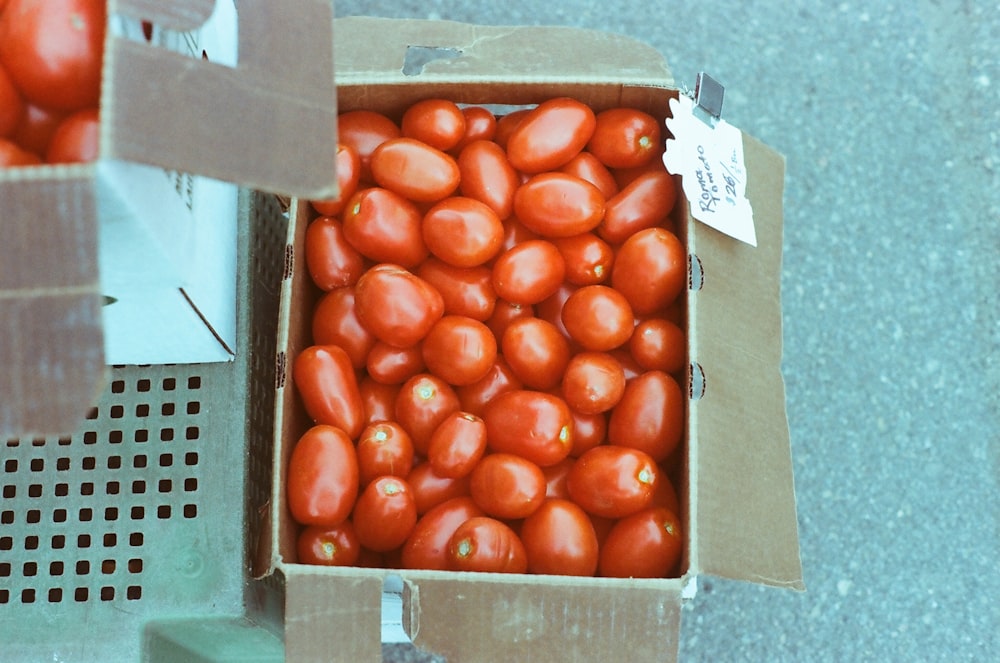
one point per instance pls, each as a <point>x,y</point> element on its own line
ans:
<point>536,351</point>
<point>559,539</point>
<point>335,322</point>
<point>598,317</point>
<point>414,170</point>
<point>507,486</point>
<point>11,154</point>
<point>647,544</point>
<point>461,231</point>
<point>590,169</point>
<point>457,445</point>
<point>555,478</point>
<point>550,309</point>
<point>331,260</point>
<point>459,350</point>
<point>430,490</point>
<point>504,313</point>
<point>588,258</point>
<point>384,449</point>
<point>322,479</point>
<point>480,124</point>
<point>385,227</point>
<point>379,400</point>
<point>644,203</point>
<point>528,272</point>
<point>423,402</point>
<point>649,416</point>
<point>487,176</point>
<point>650,270</point>
<point>11,105</point>
<point>589,430</point>
<point>438,122</point>
<point>348,170</point>
<point>365,130</point>
<point>593,382</point>
<point>53,51</point>
<point>325,380</point>
<point>76,139</point>
<point>506,124</point>
<point>550,135</point>
<point>397,306</point>
<point>466,291</point>
<point>625,138</point>
<point>385,514</point>
<point>487,545</point>
<point>613,482</point>
<point>36,128</point>
<point>391,365</point>
<point>329,546</point>
<point>533,424</point>
<point>427,544</point>
<point>499,379</point>
<point>658,345</point>
<point>554,204</point>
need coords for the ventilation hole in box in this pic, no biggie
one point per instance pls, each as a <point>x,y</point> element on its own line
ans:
<point>4,569</point>
<point>193,407</point>
<point>135,565</point>
<point>190,510</point>
<point>27,595</point>
<point>138,487</point>
<point>113,487</point>
<point>89,462</point>
<point>135,539</point>
<point>696,273</point>
<point>166,460</point>
<point>191,433</point>
<point>33,516</point>
<point>190,485</point>
<point>115,436</point>
<point>143,385</point>
<point>114,462</point>
<point>58,541</point>
<point>59,515</point>
<point>163,511</point>
<point>6,517</point>
<point>81,594</point>
<point>62,464</point>
<point>6,542</point>
<point>30,569</point>
<point>4,596</point>
<point>118,386</point>
<point>37,464</point>
<point>111,513</point>
<point>108,566</point>
<point>87,488</point>
<point>61,489</point>
<point>90,437</point>
<point>35,490</point>
<point>169,384</point>
<point>65,441</point>
<point>10,465</point>
<point>194,382</point>
<point>38,442</point>
<point>137,513</point>
<point>107,593</point>
<point>31,542</point>
<point>142,410</point>
<point>56,568</point>
<point>86,514</point>
<point>166,434</point>
<point>133,592</point>
<point>696,381</point>
<point>9,492</point>
<point>139,461</point>
<point>91,414</point>
<point>117,411</point>
<point>55,595</point>
<point>165,485</point>
<point>142,435</point>
<point>167,409</point>
<point>83,541</point>
<point>110,540</point>
<point>191,458</point>
<point>82,567</point>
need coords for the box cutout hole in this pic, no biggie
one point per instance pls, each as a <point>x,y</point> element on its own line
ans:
<point>696,381</point>
<point>417,57</point>
<point>696,273</point>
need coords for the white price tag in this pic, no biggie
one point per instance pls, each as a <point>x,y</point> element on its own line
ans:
<point>709,160</point>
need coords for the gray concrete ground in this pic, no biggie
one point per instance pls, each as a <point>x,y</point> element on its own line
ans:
<point>888,117</point>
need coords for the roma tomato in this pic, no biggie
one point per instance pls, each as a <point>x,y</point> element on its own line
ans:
<point>644,203</point>
<point>593,382</point>
<point>466,291</point>
<point>424,401</point>
<point>431,490</point>
<point>325,380</point>
<point>589,168</point>
<point>36,128</point>
<point>650,270</point>
<point>397,306</point>
<point>589,430</point>
<point>554,204</point>
<point>384,449</point>
<point>347,164</point>
<point>11,105</point>
<point>498,379</point>
<point>364,131</point>
<point>625,138</point>
<point>507,486</point>
<point>647,544</point>
<point>550,135</point>
<point>385,514</point>
<point>463,232</point>
<point>613,482</point>
<point>76,139</point>
<point>515,232</point>
<point>11,154</point>
<point>335,322</point>
<point>529,272</point>
<point>559,539</point>
<point>588,258</point>
<point>550,309</point>
<point>504,313</point>
<point>438,122</point>
<point>486,545</point>
<point>555,478</point>
<point>598,317</point>
<point>658,345</point>
<point>459,350</point>
<point>385,227</point>
<point>329,546</point>
<point>480,124</point>
<point>666,495</point>
<point>391,365</point>
<point>379,400</point>
<point>427,544</point>
<point>649,416</point>
<point>533,424</point>
<point>331,260</point>
<point>322,480</point>
<point>415,170</point>
<point>536,351</point>
<point>506,124</point>
<point>488,177</point>
<point>457,445</point>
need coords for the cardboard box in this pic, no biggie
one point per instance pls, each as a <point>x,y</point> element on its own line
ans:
<point>737,491</point>
<point>137,230</point>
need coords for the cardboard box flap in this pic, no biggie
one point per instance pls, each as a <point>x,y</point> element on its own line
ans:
<point>743,499</point>
<point>266,124</point>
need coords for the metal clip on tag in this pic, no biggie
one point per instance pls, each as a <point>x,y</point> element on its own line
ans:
<point>708,96</point>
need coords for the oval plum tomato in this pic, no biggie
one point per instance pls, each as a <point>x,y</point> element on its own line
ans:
<point>76,139</point>
<point>335,322</point>
<point>589,168</point>
<point>647,544</point>
<point>466,291</point>
<point>438,122</point>
<point>325,380</point>
<point>11,154</point>
<point>348,168</point>
<point>391,365</point>
<point>558,205</point>
<point>11,105</point>
<point>593,382</point>
<point>488,177</point>
<point>462,231</point>
<point>515,232</point>
<point>625,138</point>
<point>506,124</point>
<point>54,51</point>
<point>555,478</point>
<point>613,482</point>
<point>385,514</point>
<point>498,379</point>
<point>384,449</point>
<point>480,124</point>
<point>322,479</point>
<point>649,416</point>
<point>329,546</point>
<point>598,317</point>
<point>331,260</point>
<point>588,258</point>
<point>427,544</point>
<point>431,489</point>
<point>487,545</point>
<point>658,345</point>
<point>650,270</point>
<point>550,135</point>
<point>550,309</point>
<point>36,128</point>
<point>507,486</point>
<point>529,272</point>
<point>379,400</point>
<point>415,170</point>
<point>424,401</point>
<point>666,495</point>
<point>559,539</point>
<point>459,350</point>
<point>504,313</point>
<point>457,445</point>
<point>397,306</point>
<point>536,351</point>
<point>589,430</point>
<point>385,227</point>
<point>646,202</point>
<point>365,130</point>
<point>532,424</point>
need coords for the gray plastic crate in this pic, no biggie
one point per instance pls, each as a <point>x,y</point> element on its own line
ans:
<point>127,540</point>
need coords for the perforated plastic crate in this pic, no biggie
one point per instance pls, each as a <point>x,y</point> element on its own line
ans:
<point>127,539</point>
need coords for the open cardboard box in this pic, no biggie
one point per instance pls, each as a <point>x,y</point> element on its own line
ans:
<point>132,259</point>
<point>737,489</point>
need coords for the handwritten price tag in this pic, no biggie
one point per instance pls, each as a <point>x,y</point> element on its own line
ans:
<point>709,160</point>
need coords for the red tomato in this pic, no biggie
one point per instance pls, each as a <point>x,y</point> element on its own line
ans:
<point>555,204</point>
<point>462,231</point>
<point>322,479</point>
<point>459,350</point>
<point>666,495</point>
<point>11,105</point>
<point>438,122</point>
<point>36,128</point>
<point>385,227</point>
<point>335,322</point>
<point>331,260</point>
<point>324,377</point>
<point>431,490</point>
<point>498,379</point>
<point>391,365</point>
<point>514,233</point>
<point>658,345</point>
<point>529,272</point>
<point>379,400</point>
<point>504,313</point>
<point>466,291</point>
<point>613,482</point>
<point>54,51</point>
<point>427,545</point>
<point>649,416</point>
<point>559,539</point>
<point>506,124</point>
<point>486,545</point>
<point>415,170</point>
<point>507,486</point>
<point>589,168</point>
<point>598,317</point>
<point>589,430</point>
<point>76,139</point>
<point>398,307</point>
<point>385,514</point>
<point>644,203</point>
<point>650,270</point>
<point>550,135</point>
<point>532,424</point>
<point>480,124</point>
<point>536,351</point>
<point>384,449</point>
<point>550,309</point>
<point>588,258</point>
<point>555,478</point>
<point>625,138</point>
<point>593,382</point>
<point>347,164</point>
<point>457,445</point>
<point>329,546</point>
<point>647,544</point>
<point>365,130</point>
<point>488,177</point>
<point>11,154</point>
<point>424,401</point>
